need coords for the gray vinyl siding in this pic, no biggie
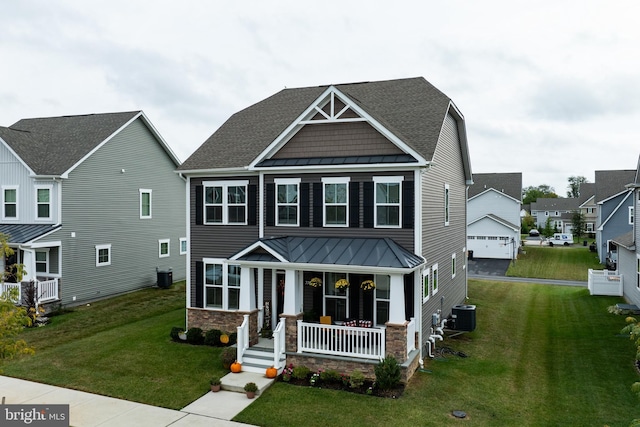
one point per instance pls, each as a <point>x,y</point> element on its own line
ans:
<point>100,205</point>
<point>617,225</point>
<point>627,266</point>
<point>439,242</point>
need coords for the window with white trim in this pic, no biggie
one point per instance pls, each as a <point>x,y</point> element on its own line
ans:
<point>225,202</point>
<point>434,279</point>
<point>164,248</point>
<point>145,203</point>
<point>9,202</point>
<point>103,255</point>
<point>388,200</point>
<point>383,298</point>
<point>221,285</point>
<point>336,201</point>
<point>638,272</point>
<point>447,198</point>
<point>453,265</point>
<point>287,200</point>
<point>335,300</point>
<point>426,279</point>
<point>42,261</point>
<point>631,215</point>
<point>43,202</point>
<point>183,246</point>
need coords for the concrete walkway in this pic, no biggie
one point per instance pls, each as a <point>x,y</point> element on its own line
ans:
<point>88,410</point>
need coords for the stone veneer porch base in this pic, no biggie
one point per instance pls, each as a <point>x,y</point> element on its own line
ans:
<point>226,321</point>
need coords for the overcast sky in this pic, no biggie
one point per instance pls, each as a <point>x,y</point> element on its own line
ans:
<point>548,88</point>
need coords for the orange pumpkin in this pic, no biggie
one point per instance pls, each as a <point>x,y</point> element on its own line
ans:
<point>224,339</point>
<point>272,372</point>
<point>236,367</point>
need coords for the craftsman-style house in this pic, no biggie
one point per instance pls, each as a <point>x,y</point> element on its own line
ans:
<point>336,216</point>
<point>91,205</point>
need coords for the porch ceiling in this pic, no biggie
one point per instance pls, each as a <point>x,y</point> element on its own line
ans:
<point>24,233</point>
<point>367,252</point>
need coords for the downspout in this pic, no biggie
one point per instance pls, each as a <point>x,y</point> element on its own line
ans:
<point>188,257</point>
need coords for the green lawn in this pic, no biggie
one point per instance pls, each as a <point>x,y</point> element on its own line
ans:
<point>558,262</point>
<point>540,356</point>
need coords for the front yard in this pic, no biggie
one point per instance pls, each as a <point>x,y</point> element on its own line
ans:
<point>541,355</point>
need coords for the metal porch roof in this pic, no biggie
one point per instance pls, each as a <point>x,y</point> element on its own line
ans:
<point>24,233</point>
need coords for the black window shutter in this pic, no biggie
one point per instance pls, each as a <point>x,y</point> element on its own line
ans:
<point>304,204</point>
<point>408,204</point>
<point>252,205</point>
<point>199,204</point>
<point>317,204</point>
<point>354,204</point>
<point>199,303</point>
<point>271,204</point>
<point>368,204</point>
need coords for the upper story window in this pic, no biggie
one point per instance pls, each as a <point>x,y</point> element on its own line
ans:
<point>287,201</point>
<point>9,202</point>
<point>446,204</point>
<point>43,202</point>
<point>630,214</point>
<point>225,202</point>
<point>388,201</point>
<point>434,279</point>
<point>336,201</point>
<point>453,265</point>
<point>145,203</point>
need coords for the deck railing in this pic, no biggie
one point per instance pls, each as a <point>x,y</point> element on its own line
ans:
<point>366,343</point>
<point>279,344</point>
<point>7,287</point>
<point>411,336</point>
<point>605,282</point>
<point>243,338</point>
<point>47,290</point>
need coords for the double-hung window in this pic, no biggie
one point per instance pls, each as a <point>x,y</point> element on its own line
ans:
<point>426,284</point>
<point>103,255</point>
<point>163,248</point>
<point>43,202</point>
<point>335,300</point>
<point>222,285</point>
<point>336,201</point>
<point>383,295</point>
<point>434,279</point>
<point>225,202</point>
<point>388,203</point>
<point>145,203</point>
<point>287,201</point>
<point>183,246</point>
<point>42,261</point>
<point>638,271</point>
<point>453,265</point>
<point>9,202</point>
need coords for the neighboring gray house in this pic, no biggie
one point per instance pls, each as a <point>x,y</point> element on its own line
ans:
<point>628,249</point>
<point>317,187</point>
<point>588,206</point>
<point>91,204</point>
<point>615,210</point>
<point>559,209</point>
<point>493,215</point>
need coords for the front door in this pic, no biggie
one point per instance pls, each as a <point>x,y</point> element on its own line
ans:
<point>279,294</point>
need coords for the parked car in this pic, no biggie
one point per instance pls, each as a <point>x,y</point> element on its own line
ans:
<point>534,232</point>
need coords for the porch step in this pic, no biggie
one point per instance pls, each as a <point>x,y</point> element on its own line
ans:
<point>236,382</point>
<point>258,359</point>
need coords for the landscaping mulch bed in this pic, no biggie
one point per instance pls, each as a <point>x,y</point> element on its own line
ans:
<point>368,388</point>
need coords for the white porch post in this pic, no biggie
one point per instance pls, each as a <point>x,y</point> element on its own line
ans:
<point>261,298</point>
<point>29,261</point>
<point>396,300</point>
<point>290,289</point>
<point>247,287</point>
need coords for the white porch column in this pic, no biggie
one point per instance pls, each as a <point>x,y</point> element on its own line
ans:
<point>396,300</point>
<point>29,261</point>
<point>247,287</point>
<point>290,289</point>
<point>260,297</point>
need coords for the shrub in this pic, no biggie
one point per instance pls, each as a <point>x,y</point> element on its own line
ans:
<point>175,333</point>
<point>228,356</point>
<point>356,380</point>
<point>195,336</point>
<point>251,387</point>
<point>301,372</point>
<point>212,337</point>
<point>233,338</point>
<point>388,373</point>
<point>330,376</point>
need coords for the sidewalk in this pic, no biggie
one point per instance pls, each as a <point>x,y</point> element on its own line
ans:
<point>88,410</point>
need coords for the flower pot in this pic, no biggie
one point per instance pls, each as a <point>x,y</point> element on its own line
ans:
<point>215,388</point>
<point>251,394</point>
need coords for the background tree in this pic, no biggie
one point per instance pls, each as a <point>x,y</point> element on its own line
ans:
<point>578,224</point>
<point>548,229</point>
<point>573,189</point>
<point>531,194</point>
<point>528,222</point>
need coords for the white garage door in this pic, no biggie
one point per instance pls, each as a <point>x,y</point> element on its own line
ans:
<point>490,247</point>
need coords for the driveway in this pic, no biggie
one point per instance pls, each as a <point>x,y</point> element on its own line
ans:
<point>487,267</point>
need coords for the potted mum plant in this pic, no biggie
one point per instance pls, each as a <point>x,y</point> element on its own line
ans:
<point>215,383</point>
<point>250,388</point>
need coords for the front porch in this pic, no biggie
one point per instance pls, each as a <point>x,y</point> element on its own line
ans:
<point>45,290</point>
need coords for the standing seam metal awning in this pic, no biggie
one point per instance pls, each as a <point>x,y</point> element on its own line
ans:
<point>24,233</point>
<point>366,252</point>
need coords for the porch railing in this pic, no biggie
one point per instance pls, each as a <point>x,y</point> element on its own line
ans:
<point>243,338</point>
<point>367,343</point>
<point>605,282</point>
<point>411,336</point>
<point>7,287</point>
<point>47,290</point>
<point>279,343</point>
